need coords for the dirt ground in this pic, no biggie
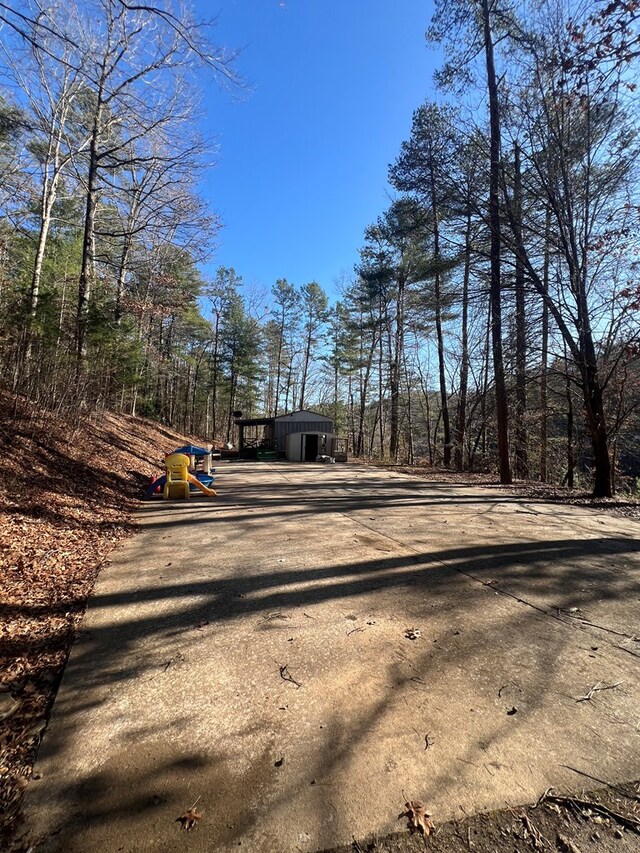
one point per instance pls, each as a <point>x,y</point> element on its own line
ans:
<point>623,504</point>
<point>605,820</point>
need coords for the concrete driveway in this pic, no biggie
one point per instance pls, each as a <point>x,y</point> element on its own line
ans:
<point>249,655</point>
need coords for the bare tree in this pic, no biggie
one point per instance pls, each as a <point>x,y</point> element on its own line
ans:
<point>581,157</point>
<point>53,89</point>
<point>135,56</point>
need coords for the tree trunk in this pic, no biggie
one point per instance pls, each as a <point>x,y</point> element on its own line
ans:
<point>583,353</point>
<point>410,449</point>
<point>276,403</point>
<point>430,441</point>
<point>305,365</point>
<point>394,374</point>
<point>427,406</point>
<point>352,417</point>
<point>594,403</point>
<point>502,412</point>
<point>289,384</point>
<point>52,170</point>
<point>122,275</point>
<point>48,200</point>
<point>444,404</point>
<point>485,385</point>
<point>464,355</point>
<point>232,390</point>
<point>544,366</point>
<point>381,392</point>
<point>594,409</point>
<point>521,438</point>
<point>570,451</point>
<point>84,289</point>
<point>214,377</point>
<point>364,388</point>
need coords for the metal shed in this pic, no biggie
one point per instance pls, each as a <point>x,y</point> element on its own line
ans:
<point>257,435</point>
<point>307,446</point>
<point>303,421</point>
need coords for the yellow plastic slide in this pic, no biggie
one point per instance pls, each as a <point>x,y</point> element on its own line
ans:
<point>196,482</point>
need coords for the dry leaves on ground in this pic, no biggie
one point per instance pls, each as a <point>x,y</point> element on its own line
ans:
<point>65,501</point>
<point>625,505</point>
<point>189,820</point>
<point>418,818</point>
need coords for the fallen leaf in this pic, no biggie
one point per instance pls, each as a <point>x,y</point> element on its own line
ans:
<point>189,819</point>
<point>412,633</point>
<point>418,818</point>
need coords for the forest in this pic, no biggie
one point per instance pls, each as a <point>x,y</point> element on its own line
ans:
<point>491,323</point>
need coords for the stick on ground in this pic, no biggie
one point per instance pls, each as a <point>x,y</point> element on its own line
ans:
<point>596,688</point>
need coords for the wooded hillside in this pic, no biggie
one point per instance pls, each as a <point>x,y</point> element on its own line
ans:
<point>491,322</point>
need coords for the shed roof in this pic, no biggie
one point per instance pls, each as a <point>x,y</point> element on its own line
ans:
<point>254,421</point>
<point>316,415</point>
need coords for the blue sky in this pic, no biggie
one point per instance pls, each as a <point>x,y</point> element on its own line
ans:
<point>304,151</point>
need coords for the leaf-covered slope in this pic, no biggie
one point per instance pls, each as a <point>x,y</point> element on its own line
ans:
<point>66,495</point>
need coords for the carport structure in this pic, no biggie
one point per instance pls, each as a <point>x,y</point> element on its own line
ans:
<point>255,434</point>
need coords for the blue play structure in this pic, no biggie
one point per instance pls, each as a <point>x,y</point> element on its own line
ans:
<point>192,450</point>
<point>200,463</point>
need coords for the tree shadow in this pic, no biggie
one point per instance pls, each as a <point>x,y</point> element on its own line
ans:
<point>461,584</point>
<point>509,603</point>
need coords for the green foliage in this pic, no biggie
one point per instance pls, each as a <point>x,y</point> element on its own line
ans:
<point>164,342</point>
<point>13,121</point>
